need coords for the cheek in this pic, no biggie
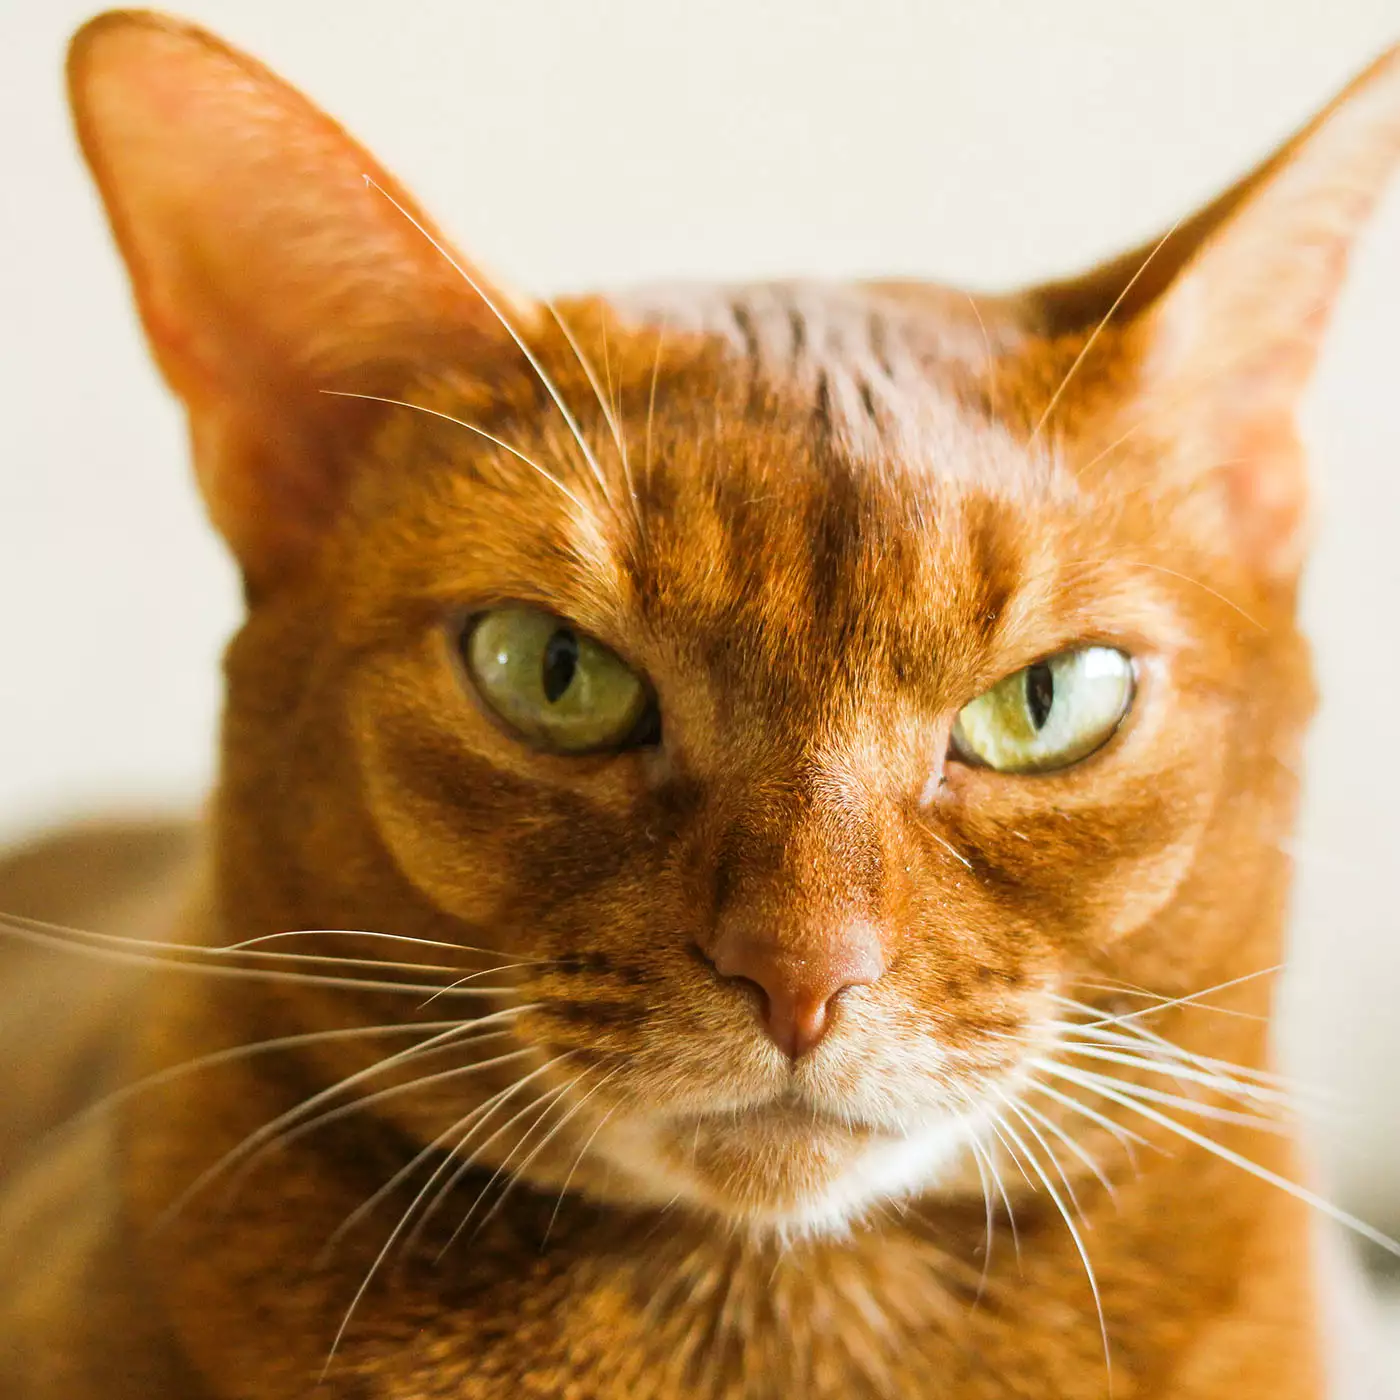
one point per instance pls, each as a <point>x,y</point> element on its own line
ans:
<point>479,825</point>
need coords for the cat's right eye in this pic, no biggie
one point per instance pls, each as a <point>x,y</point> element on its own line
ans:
<point>555,686</point>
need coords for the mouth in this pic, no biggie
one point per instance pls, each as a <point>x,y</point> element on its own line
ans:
<point>788,1165</point>
<point>788,1117</point>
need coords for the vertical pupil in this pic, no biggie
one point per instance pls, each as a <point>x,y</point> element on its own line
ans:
<point>560,663</point>
<point>1040,692</point>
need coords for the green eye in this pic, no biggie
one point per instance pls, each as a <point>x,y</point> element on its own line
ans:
<point>1049,715</point>
<point>553,685</point>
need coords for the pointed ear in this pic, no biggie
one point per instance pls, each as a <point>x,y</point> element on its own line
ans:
<point>1226,314</point>
<point>267,268</point>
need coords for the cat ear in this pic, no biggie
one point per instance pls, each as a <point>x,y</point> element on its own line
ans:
<point>267,268</point>
<point>1225,315</point>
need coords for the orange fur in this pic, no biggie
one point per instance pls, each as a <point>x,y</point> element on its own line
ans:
<point>815,569</point>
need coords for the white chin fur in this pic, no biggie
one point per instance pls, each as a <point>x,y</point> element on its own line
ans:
<point>884,1170</point>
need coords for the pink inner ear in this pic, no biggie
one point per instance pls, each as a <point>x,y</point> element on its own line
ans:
<point>264,266</point>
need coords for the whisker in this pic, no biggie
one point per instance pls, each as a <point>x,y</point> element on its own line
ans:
<point>364,933</point>
<point>1099,329</point>
<point>548,1138</point>
<point>220,951</point>
<point>609,414</point>
<point>180,958</point>
<point>119,1096</point>
<point>1049,1152</point>
<point>271,1130</point>
<point>1126,989</point>
<point>1125,1136</point>
<point>949,847</point>
<point>546,382</point>
<point>547,1102</point>
<point>1051,1126</point>
<point>471,428</point>
<point>485,972</point>
<point>989,1229</point>
<point>1300,1193</point>
<point>1258,1122</point>
<point>394,1237</point>
<point>1079,1245</point>
<point>568,1179</point>
<point>359,1104</point>
<point>1193,999</point>
<point>368,1206</point>
<point>651,399</point>
<point>1188,1073</point>
<point>467,1163</point>
<point>1141,1041</point>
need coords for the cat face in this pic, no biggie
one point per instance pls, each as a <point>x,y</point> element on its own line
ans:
<point>808,602</point>
<point>808,690</point>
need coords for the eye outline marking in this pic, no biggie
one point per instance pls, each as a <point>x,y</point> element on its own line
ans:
<point>1138,680</point>
<point>646,735</point>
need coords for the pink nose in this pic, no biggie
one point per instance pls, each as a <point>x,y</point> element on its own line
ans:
<point>799,985</point>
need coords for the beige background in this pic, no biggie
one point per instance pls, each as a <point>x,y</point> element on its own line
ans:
<point>574,144</point>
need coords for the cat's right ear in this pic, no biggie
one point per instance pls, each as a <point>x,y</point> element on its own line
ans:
<point>272,259</point>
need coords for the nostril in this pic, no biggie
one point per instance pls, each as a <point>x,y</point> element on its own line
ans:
<point>796,989</point>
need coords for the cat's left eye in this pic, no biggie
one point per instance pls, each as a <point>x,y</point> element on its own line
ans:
<point>554,685</point>
<point>1048,715</point>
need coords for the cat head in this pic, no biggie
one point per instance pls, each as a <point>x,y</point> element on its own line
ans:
<point>808,691</point>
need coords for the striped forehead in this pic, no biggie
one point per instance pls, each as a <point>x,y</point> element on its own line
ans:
<point>907,537</point>
<point>888,383</point>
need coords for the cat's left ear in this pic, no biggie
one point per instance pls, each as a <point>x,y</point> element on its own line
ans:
<point>267,270</point>
<point>1224,317</point>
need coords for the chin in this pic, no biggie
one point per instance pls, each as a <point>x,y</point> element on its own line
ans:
<point>785,1171</point>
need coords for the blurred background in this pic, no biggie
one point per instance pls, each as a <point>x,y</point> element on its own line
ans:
<point>576,145</point>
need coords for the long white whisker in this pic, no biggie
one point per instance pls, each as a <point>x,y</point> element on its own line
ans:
<point>510,330</point>
<point>651,399</point>
<point>535,1152</point>
<point>543,1103</point>
<point>119,1096</point>
<point>568,1179</point>
<point>1078,1244</point>
<point>1258,1093</point>
<point>270,1131</point>
<point>485,972</point>
<point>1125,1136</point>
<point>1140,1039</point>
<point>609,414</point>
<point>462,1125</point>
<point>114,950</point>
<point>548,1101</point>
<point>1099,329</point>
<point>1160,1002</point>
<point>361,933</point>
<point>82,938</point>
<point>1199,1108</point>
<point>1049,1152</point>
<point>1051,1126</point>
<point>471,428</point>
<point>1193,999</point>
<point>989,1229</point>
<point>467,1163</point>
<point>1300,1193</point>
<point>393,1239</point>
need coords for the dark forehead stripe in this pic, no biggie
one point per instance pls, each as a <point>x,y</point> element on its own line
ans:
<point>831,346</point>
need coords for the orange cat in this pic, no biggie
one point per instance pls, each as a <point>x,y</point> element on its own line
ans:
<point>706,775</point>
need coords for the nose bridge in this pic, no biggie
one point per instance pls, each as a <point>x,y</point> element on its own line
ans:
<point>803,845</point>
<point>798,906</point>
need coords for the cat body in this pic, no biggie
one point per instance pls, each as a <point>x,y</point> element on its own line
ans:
<point>742,996</point>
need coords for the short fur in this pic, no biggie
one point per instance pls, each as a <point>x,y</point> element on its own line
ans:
<point>819,520</point>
